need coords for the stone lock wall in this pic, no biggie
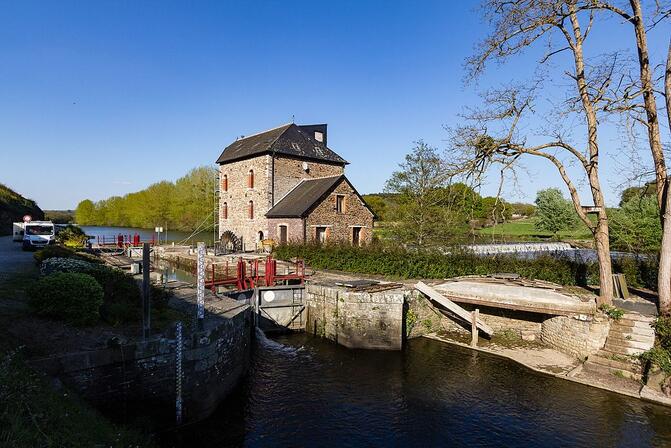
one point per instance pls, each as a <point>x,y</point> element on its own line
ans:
<point>340,225</point>
<point>238,196</point>
<point>138,380</point>
<point>355,320</point>
<point>579,336</point>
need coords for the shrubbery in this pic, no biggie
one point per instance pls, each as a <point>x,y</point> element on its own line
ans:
<point>660,354</point>
<point>400,263</point>
<point>71,236</point>
<point>73,297</point>
<point>122,297</point>
<point>60,251</point>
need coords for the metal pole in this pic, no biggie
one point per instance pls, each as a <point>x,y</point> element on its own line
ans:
<point>200,287</point>
<point>178,373</point>
<point>146,291</point>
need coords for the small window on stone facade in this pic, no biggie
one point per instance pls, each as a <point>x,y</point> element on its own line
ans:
<point>251,209</point>
<point>250,179</point>
<point>340,203</point>
<point>224,183</point>
<point>224,211</point>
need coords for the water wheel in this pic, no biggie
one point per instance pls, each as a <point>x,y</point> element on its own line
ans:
<point>230,242</point>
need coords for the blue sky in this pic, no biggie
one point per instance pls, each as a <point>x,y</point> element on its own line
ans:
<point>104,98</point>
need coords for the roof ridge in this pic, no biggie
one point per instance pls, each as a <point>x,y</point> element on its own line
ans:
<point>263,132</point>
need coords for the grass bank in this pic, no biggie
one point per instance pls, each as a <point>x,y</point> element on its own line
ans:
<point>525,230</point>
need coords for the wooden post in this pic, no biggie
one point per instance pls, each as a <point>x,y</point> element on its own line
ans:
<point>474,328</point>
<point>146,291</point>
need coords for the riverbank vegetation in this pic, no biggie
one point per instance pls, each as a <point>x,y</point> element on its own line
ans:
<point>397,262</point>
<point>33,414</point>
<point>13,207</point>
<point>183,205</point>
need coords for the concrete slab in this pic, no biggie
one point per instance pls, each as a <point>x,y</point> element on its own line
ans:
<point>515,297</point>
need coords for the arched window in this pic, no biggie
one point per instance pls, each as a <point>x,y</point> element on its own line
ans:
<point>260,235</point>
<point>224,183</point>
<point>224,211</point>
<point>251,209</point>
<point>250,179</point>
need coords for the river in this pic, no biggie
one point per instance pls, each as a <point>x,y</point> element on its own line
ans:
<point>109,233</point>
<point>303,391</point>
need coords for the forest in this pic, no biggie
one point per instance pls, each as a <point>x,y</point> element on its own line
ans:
<point>181,205</point>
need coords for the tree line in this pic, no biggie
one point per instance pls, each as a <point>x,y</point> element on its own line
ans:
<point>181,205</point>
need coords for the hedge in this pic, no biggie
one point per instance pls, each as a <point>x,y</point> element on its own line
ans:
<point>400,263</point>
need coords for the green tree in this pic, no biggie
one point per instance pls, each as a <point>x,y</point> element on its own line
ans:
<point>553,211</point>
<point>420,216</point>
<point>648,189</point>
<point>85,212</point>
<point>636,226</point>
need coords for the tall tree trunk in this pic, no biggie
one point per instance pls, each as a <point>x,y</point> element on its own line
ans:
<point>664,274</point>
<point>601,241</point>
<point>650,105</point>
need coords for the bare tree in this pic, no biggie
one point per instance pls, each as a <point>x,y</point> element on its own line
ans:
<point>645,88</point>
<point>517,24</point>
<point>664,275</point>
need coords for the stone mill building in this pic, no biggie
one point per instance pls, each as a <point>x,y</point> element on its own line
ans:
<point>285,184</point>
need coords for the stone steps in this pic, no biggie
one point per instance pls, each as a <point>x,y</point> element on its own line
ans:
<point>597,367</point>
<point>632,337</point>
<point>623,349</point>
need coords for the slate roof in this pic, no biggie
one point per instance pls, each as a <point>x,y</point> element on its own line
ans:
<point>300,200</point>
<point>286,140</point>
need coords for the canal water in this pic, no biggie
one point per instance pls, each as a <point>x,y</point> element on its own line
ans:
<point>303,391</point>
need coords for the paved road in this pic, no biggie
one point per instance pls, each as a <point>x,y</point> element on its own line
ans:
<point>12,258</point>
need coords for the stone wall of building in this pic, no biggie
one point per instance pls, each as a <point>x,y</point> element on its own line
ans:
<point>339,225</point>
<point>577,336</point>
<point>238,195</point>
<point>289,172</point>
<point>294,229</point>
<point>355,320</point>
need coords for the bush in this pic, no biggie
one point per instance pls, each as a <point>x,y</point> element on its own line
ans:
<point>71,236</point>
<point>399,263</point>
<point>57,264</point>
<point>73,297</point>
<point>59,251</point>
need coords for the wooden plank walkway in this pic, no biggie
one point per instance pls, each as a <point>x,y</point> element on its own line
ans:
<point>451,306</point>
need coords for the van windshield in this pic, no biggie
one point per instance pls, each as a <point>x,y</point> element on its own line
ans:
<point>39,230</point>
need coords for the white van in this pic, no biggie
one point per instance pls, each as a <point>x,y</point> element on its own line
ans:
<point>38,234</point>
<point>17,231</point>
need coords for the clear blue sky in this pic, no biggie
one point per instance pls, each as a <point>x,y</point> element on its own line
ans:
<point>104,98</point>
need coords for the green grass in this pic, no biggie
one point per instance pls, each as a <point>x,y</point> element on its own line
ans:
<point>525,229</point>
<point>33,414</point>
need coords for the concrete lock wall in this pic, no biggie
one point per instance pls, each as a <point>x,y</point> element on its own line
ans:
<point>139,379</point>
<point>355,320</point>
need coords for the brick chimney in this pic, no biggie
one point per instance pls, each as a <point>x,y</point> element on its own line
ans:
<point>316,131</point>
